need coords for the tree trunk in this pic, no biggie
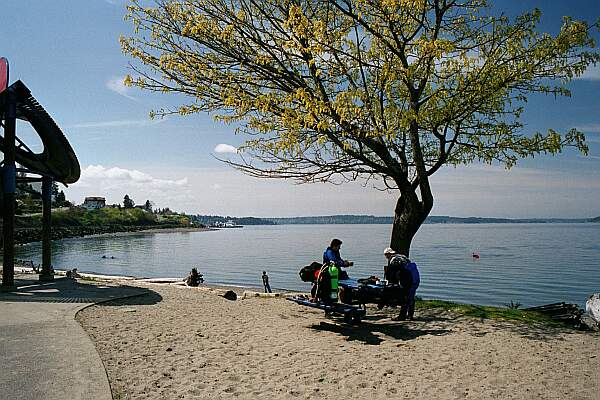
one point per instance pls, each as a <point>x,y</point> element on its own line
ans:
<point>409,215</point>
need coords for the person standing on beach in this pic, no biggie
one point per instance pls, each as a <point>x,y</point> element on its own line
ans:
<point>332,255</point>
<point>265,279</point>
<point>401,270</point>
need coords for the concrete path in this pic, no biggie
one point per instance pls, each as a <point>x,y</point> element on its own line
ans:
<point>45,353</point>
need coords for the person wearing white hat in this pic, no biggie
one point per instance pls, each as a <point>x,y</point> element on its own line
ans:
<point>402,271</point>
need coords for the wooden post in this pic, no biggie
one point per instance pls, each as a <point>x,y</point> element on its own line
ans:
<point>9,188</point>
<point>47,273</point>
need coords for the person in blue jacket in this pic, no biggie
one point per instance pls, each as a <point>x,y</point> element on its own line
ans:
<point>407,274</point>
<point>332,254</point>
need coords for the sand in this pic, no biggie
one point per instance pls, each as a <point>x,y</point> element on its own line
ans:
<point>182,343</point>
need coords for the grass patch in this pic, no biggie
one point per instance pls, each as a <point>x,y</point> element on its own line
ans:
<point>487,312</point>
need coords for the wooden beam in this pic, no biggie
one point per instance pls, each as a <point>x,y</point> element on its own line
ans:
<point>47,273</point>
<point>9,187</point>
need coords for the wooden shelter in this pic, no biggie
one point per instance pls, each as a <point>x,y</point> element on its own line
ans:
<point>57,162</point>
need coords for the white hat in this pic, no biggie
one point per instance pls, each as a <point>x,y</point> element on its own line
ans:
<point>389,250</point>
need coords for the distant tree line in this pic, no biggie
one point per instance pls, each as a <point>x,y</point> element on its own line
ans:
<point>372,219</point>
<point>208,220</point>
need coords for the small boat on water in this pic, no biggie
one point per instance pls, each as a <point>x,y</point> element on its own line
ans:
<point>227,224</point>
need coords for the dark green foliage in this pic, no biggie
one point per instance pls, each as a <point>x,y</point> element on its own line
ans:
<point>105,216</point>
<point>128,202</point>
<point>54,189</point>
<point>174,219</point>
<point>28,200</point>
<point>60,199</point>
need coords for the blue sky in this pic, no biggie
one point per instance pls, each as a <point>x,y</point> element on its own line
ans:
<point>67,52</point>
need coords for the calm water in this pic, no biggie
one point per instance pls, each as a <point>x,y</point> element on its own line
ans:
<point>529,263</point>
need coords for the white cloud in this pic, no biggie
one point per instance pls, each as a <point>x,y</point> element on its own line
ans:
<point>114,182</point>
<point>116,85</point>
<point>132,176</point>
<point>225,148</point>
<point>592,73</point>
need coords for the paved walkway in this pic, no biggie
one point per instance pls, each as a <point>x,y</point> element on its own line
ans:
<point>45,353</point>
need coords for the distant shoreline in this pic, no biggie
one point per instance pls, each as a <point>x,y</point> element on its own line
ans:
<point>351,219</point>
<point>152,230</point>
<point>32,235</point>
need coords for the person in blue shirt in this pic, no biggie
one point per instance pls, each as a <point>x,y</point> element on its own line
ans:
<point>401,270</point>
<point>332,254</point>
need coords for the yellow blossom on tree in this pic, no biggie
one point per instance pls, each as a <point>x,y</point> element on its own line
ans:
<point>347,89</point>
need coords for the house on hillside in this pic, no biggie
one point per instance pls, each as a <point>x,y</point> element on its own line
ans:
<point>94,203</point>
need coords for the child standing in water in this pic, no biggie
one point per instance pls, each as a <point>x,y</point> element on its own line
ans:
<point>265,279</point>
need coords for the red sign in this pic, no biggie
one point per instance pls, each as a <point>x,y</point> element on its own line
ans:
<point>3,73</point>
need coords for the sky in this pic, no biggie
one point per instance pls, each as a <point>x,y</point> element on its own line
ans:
<point>67,52</point>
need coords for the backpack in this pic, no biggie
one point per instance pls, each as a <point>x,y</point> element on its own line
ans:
<point>396,272</point>
<point>324,285</point>
<point>307,274</point>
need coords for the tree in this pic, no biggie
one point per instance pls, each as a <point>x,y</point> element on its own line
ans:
<point>362,89</point>
<point>54,191</point>
<point>61,199</point>
<point>127,202</point>
<point>148,206</point>
<point>54,194</point>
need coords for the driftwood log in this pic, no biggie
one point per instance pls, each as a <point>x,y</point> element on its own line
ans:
<point>564,312</point>
<point>194,278</point>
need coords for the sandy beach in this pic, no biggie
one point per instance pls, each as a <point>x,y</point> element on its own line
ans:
<point>183,343</point>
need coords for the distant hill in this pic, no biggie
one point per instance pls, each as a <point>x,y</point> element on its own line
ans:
<point>443,219</point>
<point>332,220</point>
<point>209,220</point>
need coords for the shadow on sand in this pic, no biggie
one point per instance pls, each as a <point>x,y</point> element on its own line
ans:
<point>377,325</point>
<point>64,290</point>
<point>482,326</point>
<point>150,297</point>
<point>365,332</point>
